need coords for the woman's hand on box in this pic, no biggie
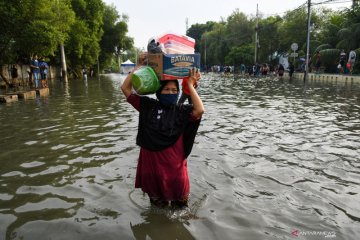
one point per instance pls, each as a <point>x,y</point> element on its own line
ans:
<point>198,107</point>
<point>194,77</point>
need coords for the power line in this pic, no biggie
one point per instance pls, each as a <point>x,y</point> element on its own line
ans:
<point>332,2</point>
<point>326,2</point>
<point>281,13</point>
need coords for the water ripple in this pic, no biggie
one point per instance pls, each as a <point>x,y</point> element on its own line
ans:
<point>270,156</point>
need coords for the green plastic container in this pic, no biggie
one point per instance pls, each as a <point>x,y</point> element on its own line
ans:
<point>145,81</point>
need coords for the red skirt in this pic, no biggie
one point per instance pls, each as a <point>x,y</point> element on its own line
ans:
<point>163,174</point>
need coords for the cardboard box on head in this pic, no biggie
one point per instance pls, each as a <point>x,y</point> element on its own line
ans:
<point>142,59</point>
<point>173,66</point>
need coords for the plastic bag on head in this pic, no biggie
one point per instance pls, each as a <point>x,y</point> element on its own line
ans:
<point>153,46</point>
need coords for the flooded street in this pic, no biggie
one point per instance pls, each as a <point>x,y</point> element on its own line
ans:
<point>272,160</point>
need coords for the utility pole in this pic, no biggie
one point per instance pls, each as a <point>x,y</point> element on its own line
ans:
<point>62,52</point>
<point>256,33</point>
<point>205,51</point>
<point>307,42</point>
<point>98,66</point>
<point>119,52</point>
<point>63,63</point>
<point>187,25</point>
<point>119,61</point>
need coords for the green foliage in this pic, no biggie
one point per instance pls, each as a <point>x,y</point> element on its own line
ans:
<point>322,47</point>
<point>239,29</point>
<point>349,37</point>
<point>356,68</point>
<point>32,26</point>
<point>196,31</point>
<point>268,41</point>
<point>330,59</point>
<point>314,44</point>
<point>87,28</point>
<point>226,40</point>
<point>239,55</point>
<point>293,30</point>
<point>217,39</point>
<point>114,40</point>
<point>45,38</point>
<point>216,45</point>
<point>9,30</point>
<point>330,26</point>
<point>82,46</point>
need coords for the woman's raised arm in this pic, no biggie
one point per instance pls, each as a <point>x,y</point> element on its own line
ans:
<point>126,87</point>
<point>199,109</point>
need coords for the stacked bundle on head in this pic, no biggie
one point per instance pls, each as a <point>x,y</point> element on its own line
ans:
<point>176,44</point>
<point>171,56</point>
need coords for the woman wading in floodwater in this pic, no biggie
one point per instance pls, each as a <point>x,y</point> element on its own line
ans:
<point>166,135</point>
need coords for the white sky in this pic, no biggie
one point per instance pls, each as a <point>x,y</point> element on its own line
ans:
<point>149,18</point>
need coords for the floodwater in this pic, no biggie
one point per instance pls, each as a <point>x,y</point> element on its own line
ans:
<point>272,160</point>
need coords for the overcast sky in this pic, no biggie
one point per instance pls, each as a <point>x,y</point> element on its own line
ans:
<point>149,18</point>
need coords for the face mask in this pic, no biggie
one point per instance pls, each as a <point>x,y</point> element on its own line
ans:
<point>168,99</point>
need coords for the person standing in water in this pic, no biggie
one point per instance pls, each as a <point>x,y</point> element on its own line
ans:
<point>317,62</point>
<point>44,67</point>
<point>34,65</point>
<point>280,71</point>
<point>351,61</point>
<point>291,70</point>
<point>84,73</point>
<point>166,134</point>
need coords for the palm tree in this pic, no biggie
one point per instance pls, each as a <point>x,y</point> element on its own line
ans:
<point>349,37</point>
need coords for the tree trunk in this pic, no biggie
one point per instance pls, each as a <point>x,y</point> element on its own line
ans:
<point>5,79</point>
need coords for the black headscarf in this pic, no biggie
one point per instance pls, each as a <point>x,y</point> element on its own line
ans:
<point>161,126</point>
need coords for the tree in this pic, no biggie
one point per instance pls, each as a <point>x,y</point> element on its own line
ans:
<point>330,28</point>
<point>82,47</point>
<point>238,55</point>
<point>330,59</point>
<point>32,27</point>
<point>349,34</point>
<point>88,28</point>
<point>196,31</point>
<point>239,29</point>
<point>44,26</point>
<point>269,40</point>
<point>294,29</point>
<point>9,18</point>
<point>114,40</point>
<point>341,30</point>
<point>215,45</point>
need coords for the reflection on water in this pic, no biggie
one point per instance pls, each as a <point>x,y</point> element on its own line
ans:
<point>271,158</point>
<point>158,225</point>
